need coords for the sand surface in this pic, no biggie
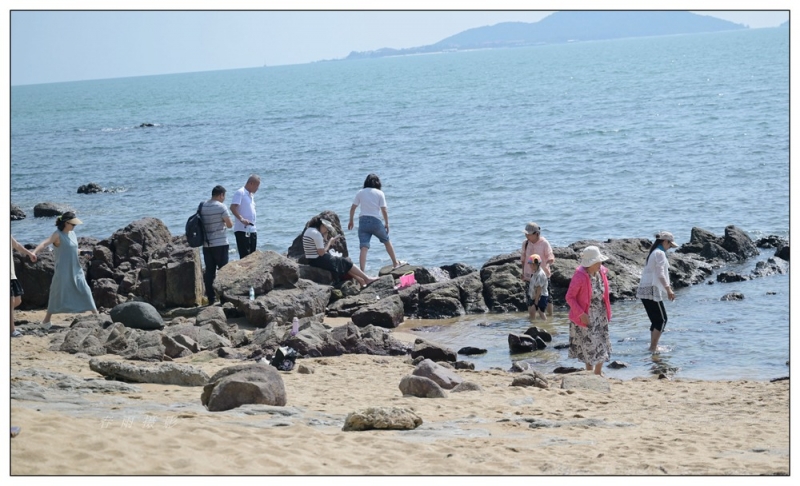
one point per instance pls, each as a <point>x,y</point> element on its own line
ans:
<point>640,427</point>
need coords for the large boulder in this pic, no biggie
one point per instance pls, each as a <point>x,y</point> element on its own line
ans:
<point>282,305</point>
<point>368,340</point>
<point>35,278</point>
<point>252,383</point>
<point>137,315</point>
<point>386,312</point>
<point>419,386</point>
<point>262,270</point>
<point>50,209</point>
<point>139,239</point>
<point>432,351</point>
<point>503,288</point>
<point>439,374</point>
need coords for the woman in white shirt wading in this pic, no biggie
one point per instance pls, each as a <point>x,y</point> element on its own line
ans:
<point>655,285</point>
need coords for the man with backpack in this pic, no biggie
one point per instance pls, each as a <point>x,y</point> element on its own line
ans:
<point>215,248</point>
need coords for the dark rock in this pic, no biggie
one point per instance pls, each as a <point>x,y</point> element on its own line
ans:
<point>386,312</point>
<point>617,365</point>
<point>729,277</point>
<point>419,386</point>
<point>17,213</point>
<point>137,315</point>
<point>382,418</point>
<point>521,343</point>
<point>104,292</point>
<point>733,296</point>
<point>771,241</point>
<point>432,351</point>
<point>251,383</point>
<point>264,271</point>
<point>773,266</point>
<point>736,241</point>
<point>458,270</point>
<point>317,275</point>
<point>783,252</point>
<point>281,305</point>
<point>535,332</point>
<point>90,188</point>
<point>203,337</point>
<point>35,278</point>
<point>566,369</point>
<point>471,351</point>
<point>49,209</point>
<point>503,288</point>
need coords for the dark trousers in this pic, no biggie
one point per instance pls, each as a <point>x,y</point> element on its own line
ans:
<point>245,243</point>
<point>214,257</point>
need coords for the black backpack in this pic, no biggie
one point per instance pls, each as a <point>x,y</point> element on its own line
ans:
<point>195,231</point>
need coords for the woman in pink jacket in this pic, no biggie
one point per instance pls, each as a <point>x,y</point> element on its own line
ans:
<point>589,311</point>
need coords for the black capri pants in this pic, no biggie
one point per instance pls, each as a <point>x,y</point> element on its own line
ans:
<point>657,314</point>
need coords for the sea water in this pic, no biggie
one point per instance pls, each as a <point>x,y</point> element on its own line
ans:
<point>593,140</point>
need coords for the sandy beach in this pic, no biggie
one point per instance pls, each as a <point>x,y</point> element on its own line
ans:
<point>640,427</point>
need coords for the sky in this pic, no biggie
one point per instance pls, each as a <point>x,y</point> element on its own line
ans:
<point>55,46</point>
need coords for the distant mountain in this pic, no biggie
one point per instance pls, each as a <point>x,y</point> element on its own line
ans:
<point>569,26</point>
<point>785,24</point>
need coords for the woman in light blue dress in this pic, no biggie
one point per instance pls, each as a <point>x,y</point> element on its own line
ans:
<point>69,292</point>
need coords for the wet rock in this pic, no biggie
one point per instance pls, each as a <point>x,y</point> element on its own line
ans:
<point>90,188</point>
<point>471,351</point>
<point>463,365</point>
<point>17,213</point>
<point>566,369</point>
<point>522,343</point>
<point>729,277</point>
<point>772,266</point>
<point>733,296</point>
<point>432,351</point>
<point>617,365</point>
<point>50,209</point>
<point>535,332</point>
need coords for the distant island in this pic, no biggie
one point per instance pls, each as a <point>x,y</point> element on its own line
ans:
<point>569,26</point>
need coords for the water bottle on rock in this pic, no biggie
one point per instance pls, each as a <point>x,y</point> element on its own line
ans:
<point>295,326</point>
<point>252,293</point>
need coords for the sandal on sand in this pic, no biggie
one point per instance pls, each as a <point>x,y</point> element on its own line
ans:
<point>16,333</point>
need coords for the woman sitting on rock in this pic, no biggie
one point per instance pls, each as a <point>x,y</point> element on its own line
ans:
<point>316,251</point>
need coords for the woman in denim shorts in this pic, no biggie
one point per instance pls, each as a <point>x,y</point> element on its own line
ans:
<point>373,205</point>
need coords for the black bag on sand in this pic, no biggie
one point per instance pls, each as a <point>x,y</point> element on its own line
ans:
<point>284,358</point>
<point>195,231</point>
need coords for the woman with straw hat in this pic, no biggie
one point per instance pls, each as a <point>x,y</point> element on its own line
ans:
<point>590,311</point>
<point>69,291</point>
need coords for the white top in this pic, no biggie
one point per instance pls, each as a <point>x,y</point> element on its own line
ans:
<point>371,201</point>
<point>655,277</point>
<point>538,279</point>
<point>312,239</point>
<point>247,209</point>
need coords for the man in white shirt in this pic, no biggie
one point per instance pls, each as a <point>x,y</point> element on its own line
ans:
<point>243,208</point>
